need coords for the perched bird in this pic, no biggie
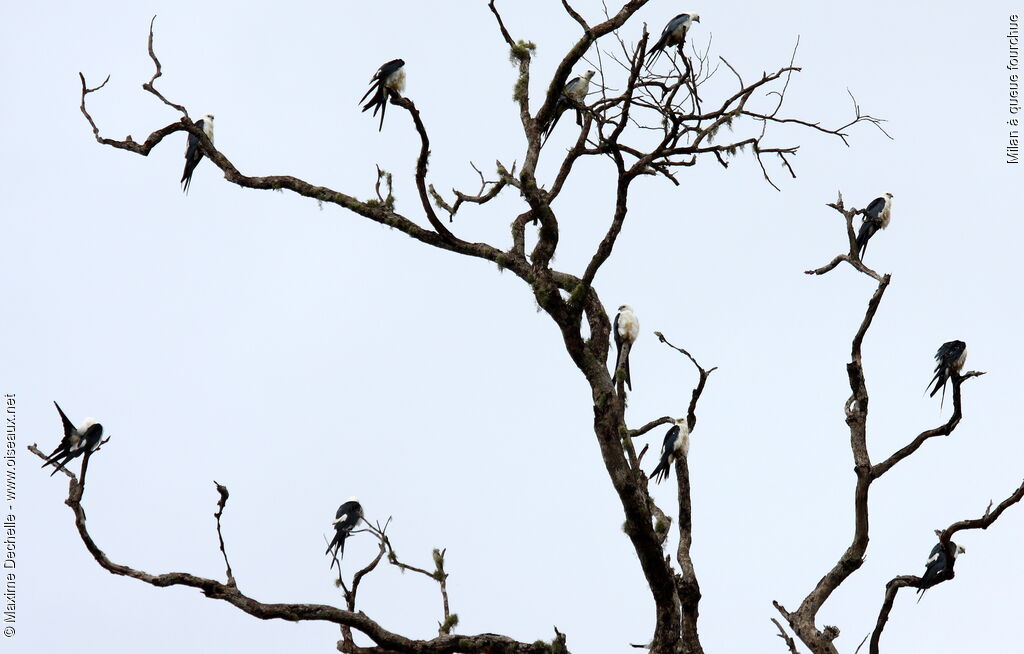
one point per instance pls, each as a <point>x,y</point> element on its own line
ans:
<point>193,153</point>
<point>573,94</point>
<point>936,565</point>
<point>674,33</point>
<point>83,440</point>
<point>390,76</point>
<point>950,360</point>
<point>676,444</point>
<point>876,217</point>
<point>626,328</point>
<point>345,520</point>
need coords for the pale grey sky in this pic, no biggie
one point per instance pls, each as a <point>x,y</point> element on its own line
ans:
<point>301,355</point>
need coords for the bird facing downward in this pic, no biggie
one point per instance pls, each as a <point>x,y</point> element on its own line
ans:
<point>626,329</point>
<point>674,33</point>
<point>193,153</point>
<point>876,217</point>
<point>936,565</point>
<point>76,442</point>
<point>389,77</point>
<point>345,520</point>
<point>675,445</point>
<point>950,359</point>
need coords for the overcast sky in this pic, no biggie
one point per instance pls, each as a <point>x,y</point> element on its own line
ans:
<point>300,355</point>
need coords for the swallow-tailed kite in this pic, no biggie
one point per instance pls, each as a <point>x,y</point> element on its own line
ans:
<point>573,95</point>
<point>936,565</point>
<point>390,76</point>
<point>626,329</point>
<point>950,360</point>
<point>677,444</point>
<point>83,440</point>
<point>876,217</point>
<point>345,520</point>
<point>674,33</point>
<point>193,153</point>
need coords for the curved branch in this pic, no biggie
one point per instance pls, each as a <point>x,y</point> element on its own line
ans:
<point>447,644</point>
<point>421,168</point>
<point>880,469</point>
<point>157,73</point>
<point>904,581</point>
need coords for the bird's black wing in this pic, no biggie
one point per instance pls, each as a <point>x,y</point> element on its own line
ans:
<point>948,353</point>
<point>69,428</point>
<point>92,437</point>
<point>662,40</point>
<point>875,208</point>
<point>193,155</point>
<point>66,449</point>
<point>939,380</point>
<point>945,357</point>
<point>669,444</point>
<point>867,230</point>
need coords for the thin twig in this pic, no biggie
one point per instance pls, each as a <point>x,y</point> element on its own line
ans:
<point>220,511</point>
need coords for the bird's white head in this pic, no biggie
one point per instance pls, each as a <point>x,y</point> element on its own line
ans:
<point>208,125</point>
<point>625,307</point>
<point>695,17</point>
<point>888,196</point>
<point>960,549</point>
<point>353,499</point>
<point>88,422</point>
<point>587,75</point>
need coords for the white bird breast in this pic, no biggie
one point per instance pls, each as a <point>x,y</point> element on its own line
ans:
<point>958,365</point>
<point>396,80</point>
<point>629,326</point>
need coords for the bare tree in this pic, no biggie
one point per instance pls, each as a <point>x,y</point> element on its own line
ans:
<point>644,120</point>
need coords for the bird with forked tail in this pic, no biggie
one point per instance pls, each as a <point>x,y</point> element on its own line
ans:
<point>876,217</point>
<point>950,360</point>
<point>345,520</point>
<point>389,77</point>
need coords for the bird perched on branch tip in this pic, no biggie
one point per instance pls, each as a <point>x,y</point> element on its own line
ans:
<point>345,520</point>
<point>389,77</point>
<point>84,439</point>
<point>950,359</point>
<point>876,217</point>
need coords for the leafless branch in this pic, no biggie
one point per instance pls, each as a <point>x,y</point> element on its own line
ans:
<point>903,581</point>
<point>157,73</point>
<point>946,429</point>
<point>786,638</point>
<point>852,257</point>
<point>223,491</point>
<point>691,412</point>
<point>389,641</point>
